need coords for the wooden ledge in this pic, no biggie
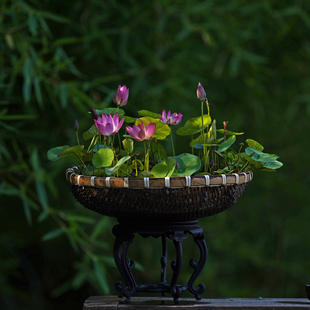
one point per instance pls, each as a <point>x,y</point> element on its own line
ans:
<point>153,303</point>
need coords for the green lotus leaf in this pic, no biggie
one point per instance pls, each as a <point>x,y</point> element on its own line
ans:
<point>92,131</point>
<point>253,153</point>
<point>103,158</point>
<point>197,121</point>
<point>128,145</point>
<point>157,148</point>
<point>71,150</point>
<point>210,142</point>
<point>273,165</point>
<point>265,158</point>
<point>194,125</point>
<point>145,174</point>
<point>188,164</point>
<point>128,119</point>
<point>53,153</point>
<point>112,170</point>
<point>111,111</point>
<point>227,144</point>
<point>230,133</point>
<point>254,144</point>
<point>164,168</point>
<point>124,170</point>
<point>84,155</point>
<point>148,113</point>
<point>260,156</point>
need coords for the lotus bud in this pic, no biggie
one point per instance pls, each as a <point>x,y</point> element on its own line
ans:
<point>225,124</point>
<point>201,94</point>
<point>94,113</point>
<point>121,95</point>
<point>76,125</point>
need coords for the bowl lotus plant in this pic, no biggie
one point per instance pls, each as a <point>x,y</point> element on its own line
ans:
<point>123,146</point>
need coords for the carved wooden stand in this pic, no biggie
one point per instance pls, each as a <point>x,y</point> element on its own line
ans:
<point>176,231</point>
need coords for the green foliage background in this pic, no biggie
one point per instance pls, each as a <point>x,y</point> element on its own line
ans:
<point>60,58</point>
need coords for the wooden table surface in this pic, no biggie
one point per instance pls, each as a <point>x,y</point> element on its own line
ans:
<point>152,303</point>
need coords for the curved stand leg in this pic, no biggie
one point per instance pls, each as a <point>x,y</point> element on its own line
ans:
<point>177,232</point>
<point>124,266</point>
<point>199,240</point>
<point>177,237</point>
<point>163,262</point>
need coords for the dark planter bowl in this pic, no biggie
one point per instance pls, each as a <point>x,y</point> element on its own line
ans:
<point>152,202</point>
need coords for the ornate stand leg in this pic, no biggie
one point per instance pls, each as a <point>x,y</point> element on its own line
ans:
<point>163,262</point>
<point>124,233</point>
<point>177,237</point>
<point>199,240</point>
<point>124,265</point>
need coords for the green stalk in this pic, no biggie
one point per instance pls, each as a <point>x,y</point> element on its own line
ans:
<point>82,163</point>
<point>203,137</point>
<point>119,141</point>
<point>171,134</point>
<point>202,128</point>
<point>144,155</point>
<point>146,159</point>
<point>77,137</point>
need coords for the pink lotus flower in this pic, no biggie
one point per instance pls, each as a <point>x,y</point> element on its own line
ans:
<point>139,133</point>
<point>121,95</point>
<point>201,94</point>
<point>170,119</point>
<point>108,125</point>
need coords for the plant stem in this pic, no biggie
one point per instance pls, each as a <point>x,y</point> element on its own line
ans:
<point>77,137</point>
<point>203,138</point>
<point>145,164</point>
<point>208,107</point>
<point>119,141</point>
<point>82,163</point>
<point>202,124</point>
<point>171,134</point>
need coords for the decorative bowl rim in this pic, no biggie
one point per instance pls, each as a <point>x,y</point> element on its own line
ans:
<point>157,183</point>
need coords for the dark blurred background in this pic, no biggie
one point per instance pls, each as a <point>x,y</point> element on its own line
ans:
<point>60,58</point>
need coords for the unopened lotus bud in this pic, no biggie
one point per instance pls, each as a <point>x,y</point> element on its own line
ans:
<point>225,124</point>
<point>94,113</point>
<point>76,125</point>
<point>177,166</point>
<point>201,93</point>
<point>121,95</point>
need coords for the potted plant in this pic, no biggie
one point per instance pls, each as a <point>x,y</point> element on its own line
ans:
<point>152,193</point>
<point>130,175</point>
